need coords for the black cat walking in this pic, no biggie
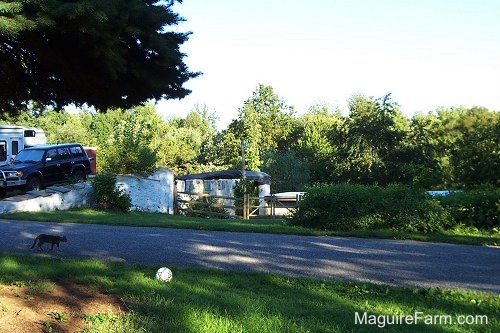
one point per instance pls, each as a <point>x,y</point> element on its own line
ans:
<point>43,238</point>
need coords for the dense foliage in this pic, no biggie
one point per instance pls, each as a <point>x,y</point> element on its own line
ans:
<point>107,195</point>
<point>374,144</point>
<point>104,53</point>
<point>351,206</point>
<point>478,207</point>
<point>376,159</point>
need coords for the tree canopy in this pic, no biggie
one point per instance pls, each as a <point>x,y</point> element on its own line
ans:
<point>104,53</point>
<point>375,143</point>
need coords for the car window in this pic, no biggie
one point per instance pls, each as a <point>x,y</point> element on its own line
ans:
<point>29,155</point>
<point>64,153</point>
<point>77,151</point>
<point>52,154</point>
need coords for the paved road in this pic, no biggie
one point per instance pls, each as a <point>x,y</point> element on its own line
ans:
<point>370,260</point>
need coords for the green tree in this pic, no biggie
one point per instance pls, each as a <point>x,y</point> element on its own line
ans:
<point>264,123</point>
<point>287,171</point>
<point>318,140</point>
<point>225,152</point>
<point>61,127</point>
<point>374,150</point>
<point>187,142</point>
<point>426,170</point>
<point>475,157</point>
<point>464,145</point>
<point>105,53</point>
<point>128,140</point>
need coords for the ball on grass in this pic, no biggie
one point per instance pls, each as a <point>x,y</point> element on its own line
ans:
<point>164,274</point>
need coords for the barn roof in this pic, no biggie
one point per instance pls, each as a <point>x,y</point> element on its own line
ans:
<point>260,178</point>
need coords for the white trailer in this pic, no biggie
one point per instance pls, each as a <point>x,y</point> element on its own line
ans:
<point>14,138</point>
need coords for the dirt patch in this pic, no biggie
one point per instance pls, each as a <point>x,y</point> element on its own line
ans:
<point>47,306</point>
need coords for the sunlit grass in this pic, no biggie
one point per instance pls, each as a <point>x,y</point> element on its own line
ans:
<point>217,301</point>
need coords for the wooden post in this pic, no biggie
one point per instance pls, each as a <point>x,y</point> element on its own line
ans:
<point>176,202</point>
<point>273,206</point>
<point>246,208</point>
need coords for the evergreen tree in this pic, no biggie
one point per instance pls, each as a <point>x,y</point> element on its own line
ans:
<point>105,53</point>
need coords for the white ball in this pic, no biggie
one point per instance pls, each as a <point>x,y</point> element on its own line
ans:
<point>164,274</point>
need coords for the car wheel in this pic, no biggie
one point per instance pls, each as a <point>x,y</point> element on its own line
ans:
<point>33,184</point>
<point>78,176</point>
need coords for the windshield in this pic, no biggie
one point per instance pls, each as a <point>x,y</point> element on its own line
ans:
<point>27,156</point>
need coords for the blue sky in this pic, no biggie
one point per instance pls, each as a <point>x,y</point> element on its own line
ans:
<point>427,53</point>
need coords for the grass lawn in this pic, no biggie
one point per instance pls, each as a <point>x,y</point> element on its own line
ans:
<point>280,226</point>
<point>218,301</point>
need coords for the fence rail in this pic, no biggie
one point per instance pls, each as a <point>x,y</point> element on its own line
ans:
<point>233,207</point>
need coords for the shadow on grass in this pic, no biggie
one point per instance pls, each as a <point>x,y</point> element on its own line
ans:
<point>218,301</point>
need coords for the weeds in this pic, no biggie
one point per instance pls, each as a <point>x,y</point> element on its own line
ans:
<point>39,287</point>
<point>60,317</point>
<point>48,327</point>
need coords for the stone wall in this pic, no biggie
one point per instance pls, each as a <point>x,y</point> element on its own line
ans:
<point>150,194</point>
<point>52,198</point>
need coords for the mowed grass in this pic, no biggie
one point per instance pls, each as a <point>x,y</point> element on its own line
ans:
<point>259,225</point>
<point>218,301</point>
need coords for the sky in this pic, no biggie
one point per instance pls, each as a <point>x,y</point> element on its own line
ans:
<point>426,53</point>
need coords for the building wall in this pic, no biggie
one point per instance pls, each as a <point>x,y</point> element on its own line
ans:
<point>221,187</point>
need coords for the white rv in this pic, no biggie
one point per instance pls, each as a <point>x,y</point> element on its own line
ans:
<point>14,138</point>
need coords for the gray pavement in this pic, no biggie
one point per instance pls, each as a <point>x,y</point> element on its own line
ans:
<point>369,260</point>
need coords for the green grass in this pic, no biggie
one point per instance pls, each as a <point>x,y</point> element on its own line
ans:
<point>278,226</point>
<point>217,301</point>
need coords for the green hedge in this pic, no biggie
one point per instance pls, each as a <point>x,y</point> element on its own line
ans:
<point>350,206</point>
<point>477,207</point>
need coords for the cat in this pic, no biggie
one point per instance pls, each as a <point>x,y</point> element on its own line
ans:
<point>43,238</point>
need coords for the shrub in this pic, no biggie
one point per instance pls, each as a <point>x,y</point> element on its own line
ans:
<point>411,209</point>
<point>478,207</point>
<point>107,195</point>
<point>349,206</point>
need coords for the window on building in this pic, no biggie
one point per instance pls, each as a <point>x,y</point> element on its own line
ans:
<point>208,186</point>
<point>189,186</point>
<point>221,185</point>
<point>3,151</point>
<point>15,147</point>
<point>29,133</point>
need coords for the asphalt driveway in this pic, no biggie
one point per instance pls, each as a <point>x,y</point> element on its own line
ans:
<point>370,260</point>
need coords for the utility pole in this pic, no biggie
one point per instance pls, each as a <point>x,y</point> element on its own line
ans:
<point>244,145</point>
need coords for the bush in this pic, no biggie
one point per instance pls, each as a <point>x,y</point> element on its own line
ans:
<point>349,206</point>
<point>107,195</point>
<point>477,208</point>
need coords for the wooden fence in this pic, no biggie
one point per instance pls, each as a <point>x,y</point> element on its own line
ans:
<point>187,203</point>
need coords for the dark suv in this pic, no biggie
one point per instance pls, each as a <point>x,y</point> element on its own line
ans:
<point>37,167</point>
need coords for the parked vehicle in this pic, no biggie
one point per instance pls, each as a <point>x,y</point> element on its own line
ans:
<point>37,167</point>
<point>14,138</point>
